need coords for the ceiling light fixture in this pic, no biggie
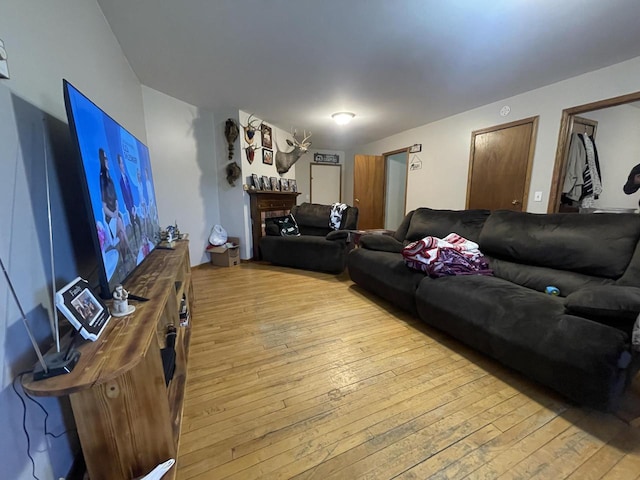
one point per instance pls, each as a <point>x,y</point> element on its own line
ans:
<point>342,118</point>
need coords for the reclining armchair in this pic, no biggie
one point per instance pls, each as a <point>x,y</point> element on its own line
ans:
<point>318,247</point>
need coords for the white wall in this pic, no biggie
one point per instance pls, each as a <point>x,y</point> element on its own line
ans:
<point>181,146</point>
<point>618,144</point>
<point>442,181</point>
<point>46,42</point>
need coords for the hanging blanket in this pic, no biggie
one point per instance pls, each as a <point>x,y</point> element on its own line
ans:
<point>335,217</point>
<point>452,255</point>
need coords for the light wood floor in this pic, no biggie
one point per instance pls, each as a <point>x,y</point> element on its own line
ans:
<point>296,374</point>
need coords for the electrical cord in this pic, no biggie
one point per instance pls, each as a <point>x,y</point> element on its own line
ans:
<point>24,423</point>
<point>24,420</point>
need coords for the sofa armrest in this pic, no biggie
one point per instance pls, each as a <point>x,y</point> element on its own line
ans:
<point>382,243</point>
<point>338,235</point>
<point>605,302</point>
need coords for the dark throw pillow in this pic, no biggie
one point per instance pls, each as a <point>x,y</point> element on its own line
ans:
<point>282,226</point>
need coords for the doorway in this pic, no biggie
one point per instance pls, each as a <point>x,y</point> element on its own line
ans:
<point>500,165</point>
<point>326,183</point>
<point>395,188</point>
<point>612,196</point>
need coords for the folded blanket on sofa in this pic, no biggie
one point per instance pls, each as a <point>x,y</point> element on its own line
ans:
<point>452,255</point>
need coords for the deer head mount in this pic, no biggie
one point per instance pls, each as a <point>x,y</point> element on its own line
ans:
<point>250,151</point>
<point>284,160</point>
<point>250,129</point>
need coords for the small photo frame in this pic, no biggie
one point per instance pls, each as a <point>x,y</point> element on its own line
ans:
<point>267,156</point>
<point>284,185</point>
<point>266,184</point>
<point>293,186</point>
<point>267,137</point>
<point>256,181</point>
<point>275,185</point>
<point>83,308</point>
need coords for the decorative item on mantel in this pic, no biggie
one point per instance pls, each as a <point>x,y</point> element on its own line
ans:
<point>284,160</point>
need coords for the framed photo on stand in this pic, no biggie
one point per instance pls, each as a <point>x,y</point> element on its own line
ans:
<point>266,184</point>
<point>256,181</point>
<point>83,308</point>
<point>284,185</point>
<point>293,186</point>
<point>275,186</point>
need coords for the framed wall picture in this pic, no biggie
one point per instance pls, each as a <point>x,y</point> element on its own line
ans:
<point>266,184</point>
<point>326,158</point>
<point>267,141</point>
<point>293,186</point>
<point>284,185</point>
<point>275,185</point>
<point>267,156</point>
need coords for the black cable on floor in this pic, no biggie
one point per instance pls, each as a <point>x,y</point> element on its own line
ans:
<point>24,423</point>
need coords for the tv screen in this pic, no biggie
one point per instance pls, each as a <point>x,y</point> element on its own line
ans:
<point>118,187</point>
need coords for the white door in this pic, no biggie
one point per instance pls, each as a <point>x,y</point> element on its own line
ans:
<point>326,183</point>
<point>396,189</point>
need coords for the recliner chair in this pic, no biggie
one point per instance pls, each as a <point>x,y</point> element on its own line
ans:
<point>319,247</point>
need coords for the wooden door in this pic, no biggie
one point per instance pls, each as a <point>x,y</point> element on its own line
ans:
<point>500,165</point>
<point>368,190</point>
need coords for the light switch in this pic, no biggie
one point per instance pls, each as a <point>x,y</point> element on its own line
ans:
<point>4,66</point>
<point>537,197</point>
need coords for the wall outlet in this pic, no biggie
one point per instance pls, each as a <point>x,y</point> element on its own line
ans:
<point>4,65</point>
<point>537,197</point>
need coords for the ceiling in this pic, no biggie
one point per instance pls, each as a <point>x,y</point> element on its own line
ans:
<point>396,64</point>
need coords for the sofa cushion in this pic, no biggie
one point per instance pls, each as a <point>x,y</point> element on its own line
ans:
<point>383,243</point>
<point>530,332</point>
<point>538,278</point>
<point>598,244</point>
<point>385,274</point>
<point>440,223</point>
<point>612,305</point>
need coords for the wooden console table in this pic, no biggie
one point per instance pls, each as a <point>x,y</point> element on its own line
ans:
<point>265,204</point>
<point>128,420</point>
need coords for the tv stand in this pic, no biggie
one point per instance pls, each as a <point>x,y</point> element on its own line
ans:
<point>128,419</point>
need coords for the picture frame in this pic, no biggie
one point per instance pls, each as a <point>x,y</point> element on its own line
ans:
<point>284,185</point>
<point>256,181</point>
<point>83,308</point>
<point>267,136</point>
<point>267,156</point>
<point>266,184</point>
<point>293,186</point>
<point>275,185</point>
<point>326,158</point>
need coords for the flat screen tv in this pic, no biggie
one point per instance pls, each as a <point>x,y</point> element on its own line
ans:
<point>118,187</point>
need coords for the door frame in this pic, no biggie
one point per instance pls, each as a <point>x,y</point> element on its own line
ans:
<point>406,178</point>
<point>566,126</point>
<point>532,149</point>
<point>311,178</point>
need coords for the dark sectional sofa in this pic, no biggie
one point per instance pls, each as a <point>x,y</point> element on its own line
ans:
<point>318,247</point>
<point>578,343</point>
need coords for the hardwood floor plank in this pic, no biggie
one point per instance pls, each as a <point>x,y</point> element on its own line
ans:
<point>303,375</point>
